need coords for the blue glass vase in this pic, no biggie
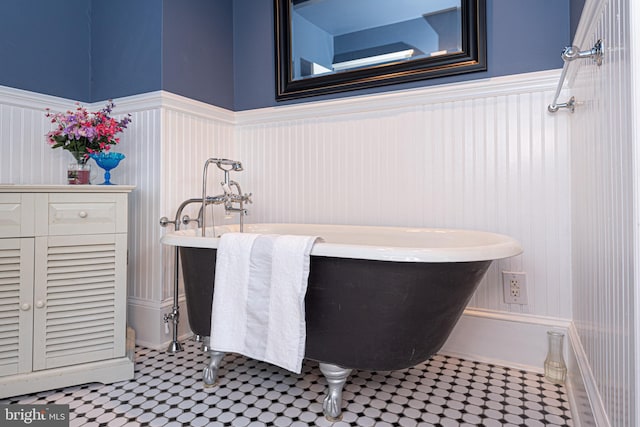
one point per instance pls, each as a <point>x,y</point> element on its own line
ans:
<point>107,161</point>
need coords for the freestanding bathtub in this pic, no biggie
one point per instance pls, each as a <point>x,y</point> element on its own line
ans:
<point>378,298</point>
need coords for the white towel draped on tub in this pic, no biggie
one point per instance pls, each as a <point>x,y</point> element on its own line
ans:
<point>258,297</point>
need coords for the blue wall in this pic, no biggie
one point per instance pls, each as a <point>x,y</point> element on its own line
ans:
<point>197,60</point>
<point>217,51</point>
<point>254,53</point>
<point>576,7</point>
<point>45,46</point>
<point>126,48</point>
<point>184,47</point>
<point>527,35</point>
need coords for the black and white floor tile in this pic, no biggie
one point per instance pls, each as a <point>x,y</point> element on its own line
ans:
<point>444,391</point>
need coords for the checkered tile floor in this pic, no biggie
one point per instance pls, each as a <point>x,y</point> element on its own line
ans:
<point>444,391</point>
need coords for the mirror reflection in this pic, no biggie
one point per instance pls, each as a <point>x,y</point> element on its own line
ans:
<point>333,36</point>
<point>329,46</point>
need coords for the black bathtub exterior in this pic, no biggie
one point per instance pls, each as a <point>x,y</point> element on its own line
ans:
<point>360,314</point>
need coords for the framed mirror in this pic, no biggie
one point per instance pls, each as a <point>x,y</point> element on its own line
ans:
<point>328,46</point>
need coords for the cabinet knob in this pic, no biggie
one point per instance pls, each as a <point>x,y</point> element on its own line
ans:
<point>83,214</point>
<point>39,304</point>
<point>25,307</point>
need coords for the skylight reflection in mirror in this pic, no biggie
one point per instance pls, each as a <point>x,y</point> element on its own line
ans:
<point>331,36</point>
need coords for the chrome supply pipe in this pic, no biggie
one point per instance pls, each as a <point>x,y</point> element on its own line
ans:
<point>174,316</point>
<point>228,198</point>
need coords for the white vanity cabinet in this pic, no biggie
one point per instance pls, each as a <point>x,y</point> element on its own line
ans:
<point>63,286</point>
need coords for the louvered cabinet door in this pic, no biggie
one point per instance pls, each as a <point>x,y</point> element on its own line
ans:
<point>16,305</point>
<point>79,299</point>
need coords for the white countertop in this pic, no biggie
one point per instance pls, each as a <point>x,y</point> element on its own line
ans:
<point>43,188</point>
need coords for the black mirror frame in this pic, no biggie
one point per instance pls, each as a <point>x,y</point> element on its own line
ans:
<point>473,58</point>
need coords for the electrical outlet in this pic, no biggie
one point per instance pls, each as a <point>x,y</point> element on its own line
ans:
<point>514,287</point>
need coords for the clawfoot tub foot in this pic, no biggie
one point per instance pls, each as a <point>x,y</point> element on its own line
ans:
<point>210,373</point>
<point>336,378</point>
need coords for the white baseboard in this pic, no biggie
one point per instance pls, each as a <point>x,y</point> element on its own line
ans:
<point>519,341</point>
<point>508,339</point>
<point>146,317</point>
<point>586,404</point>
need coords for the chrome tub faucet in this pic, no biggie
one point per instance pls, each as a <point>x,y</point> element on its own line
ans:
<point>228,198</point>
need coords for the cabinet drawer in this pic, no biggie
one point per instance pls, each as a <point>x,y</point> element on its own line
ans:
<point>86,214</point>
<point>16,215</point>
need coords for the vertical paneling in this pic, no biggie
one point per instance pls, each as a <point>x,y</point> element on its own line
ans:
<point>166,148</point>
<point>142,144</point>
<point>475,155</point>
<point>603,177</point>
<point>26,157</point>
<point>497,163</point>
<point>188,141</point>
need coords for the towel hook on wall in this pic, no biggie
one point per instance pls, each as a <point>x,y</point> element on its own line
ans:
<point>569,54</point>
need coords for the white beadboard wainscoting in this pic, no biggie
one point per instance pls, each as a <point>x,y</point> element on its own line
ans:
<point>166,145</point>
<point>605,212</point>
<point>483,154</point>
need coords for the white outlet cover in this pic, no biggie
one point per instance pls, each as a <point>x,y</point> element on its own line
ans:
<point>521,278</point>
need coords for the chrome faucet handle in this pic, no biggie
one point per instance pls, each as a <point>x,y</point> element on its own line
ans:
<point>247,197</point>
<point>187,219</point>
<point>164,221</point>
